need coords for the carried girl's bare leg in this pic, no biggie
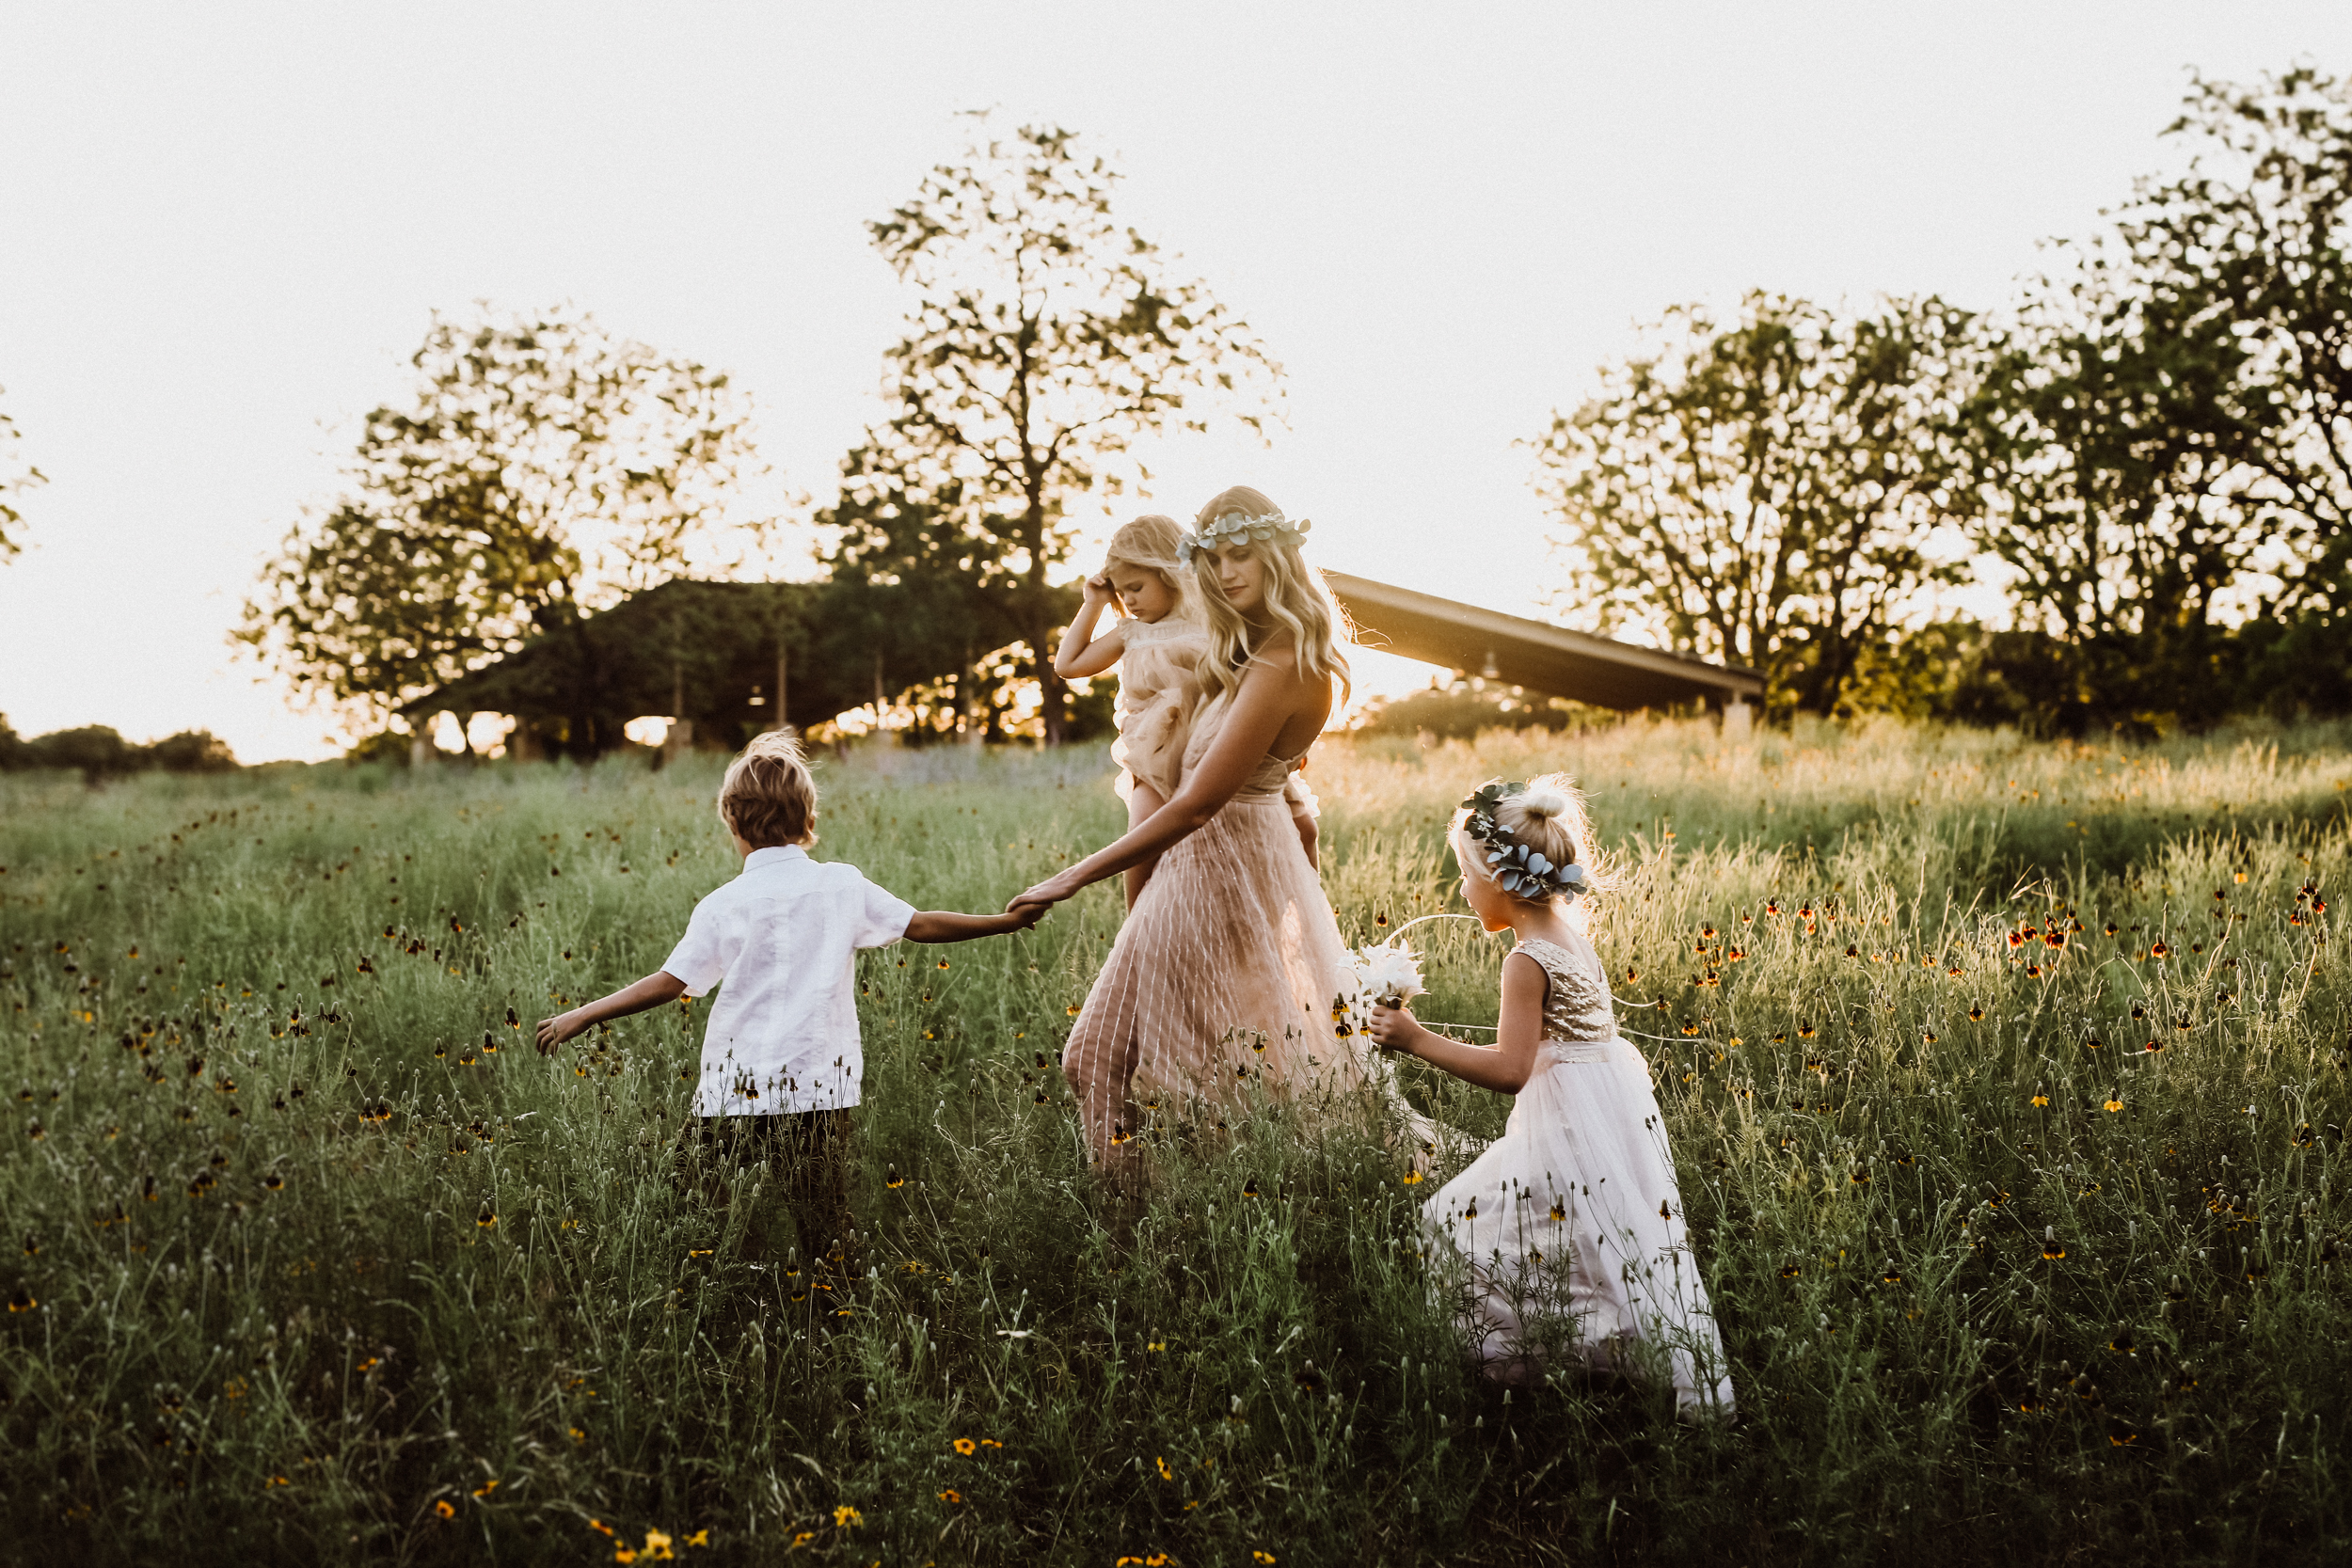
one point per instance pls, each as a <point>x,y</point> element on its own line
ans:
<point>1142,800</point>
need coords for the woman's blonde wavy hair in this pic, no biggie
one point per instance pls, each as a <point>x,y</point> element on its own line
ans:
<point>1296,601</point>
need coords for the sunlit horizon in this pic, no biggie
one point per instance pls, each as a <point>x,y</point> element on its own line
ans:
<point>228,229</point>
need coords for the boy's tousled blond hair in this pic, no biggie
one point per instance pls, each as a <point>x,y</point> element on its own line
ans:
<point>768,797</point>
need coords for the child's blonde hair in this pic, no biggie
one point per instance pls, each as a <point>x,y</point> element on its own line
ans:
<point>1296,601</point>
<point>1549,815</point>
<point>768,797</point>
<point>1149,545</point>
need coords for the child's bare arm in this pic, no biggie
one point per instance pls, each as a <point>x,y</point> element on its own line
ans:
<point>1082,653</point>
<point>1308,832</point>
<point>947,926</point>
<point>651,991</point>
<point>1505,1065</point>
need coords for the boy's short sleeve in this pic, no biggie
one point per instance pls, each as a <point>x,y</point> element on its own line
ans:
<point>695,959</point>
<point>881,916</point>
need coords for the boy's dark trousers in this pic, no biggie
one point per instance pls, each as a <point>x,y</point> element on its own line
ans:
<point>805,1156</point>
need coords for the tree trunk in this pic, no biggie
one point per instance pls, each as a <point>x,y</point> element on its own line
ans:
<point>1038,615</point>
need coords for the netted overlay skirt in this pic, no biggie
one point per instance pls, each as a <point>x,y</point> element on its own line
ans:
<point>1223,977</point>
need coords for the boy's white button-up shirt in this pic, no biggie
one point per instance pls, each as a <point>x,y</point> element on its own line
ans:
<point>781,936</point>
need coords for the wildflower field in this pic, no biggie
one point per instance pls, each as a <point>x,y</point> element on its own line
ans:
<point>2008,1082</point>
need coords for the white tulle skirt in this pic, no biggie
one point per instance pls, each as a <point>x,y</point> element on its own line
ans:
<point>1564,1239</point>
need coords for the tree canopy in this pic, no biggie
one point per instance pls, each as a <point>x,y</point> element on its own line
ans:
<point>1769,492</point>
<point>1045,339</point>
<point>540,468</point>
<point>2162,437</point>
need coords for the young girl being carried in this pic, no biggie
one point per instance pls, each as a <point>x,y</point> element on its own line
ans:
<point>1158,648</point>
<point>1574,1213</point>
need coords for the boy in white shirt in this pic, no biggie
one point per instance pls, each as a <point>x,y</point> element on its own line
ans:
<point>781,1057</point>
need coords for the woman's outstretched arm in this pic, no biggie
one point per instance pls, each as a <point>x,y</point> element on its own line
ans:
<point>1271,695</point>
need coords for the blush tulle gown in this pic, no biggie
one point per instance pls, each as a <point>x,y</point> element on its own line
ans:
<point>1223,975</point>
<point>1567,1233</point>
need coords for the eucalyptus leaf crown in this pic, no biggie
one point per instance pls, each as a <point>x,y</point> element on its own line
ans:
<point>1237,527</point>
<point>1522,872</point>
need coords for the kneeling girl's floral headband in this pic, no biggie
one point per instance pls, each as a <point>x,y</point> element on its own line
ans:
<point>1522,872</point>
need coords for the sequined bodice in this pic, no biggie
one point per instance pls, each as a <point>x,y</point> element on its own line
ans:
<point>1576,997</point>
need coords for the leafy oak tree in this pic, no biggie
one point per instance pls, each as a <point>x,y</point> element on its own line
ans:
<point>16,477</point>
<point>1047,337</point>
<point>540,469</point>
<point>2163,438</point>
<point>1778,492</point>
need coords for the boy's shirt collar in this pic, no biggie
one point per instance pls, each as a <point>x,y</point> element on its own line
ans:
<point>774,854</point>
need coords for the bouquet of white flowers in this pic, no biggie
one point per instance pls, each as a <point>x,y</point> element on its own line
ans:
<point>1385,974</point>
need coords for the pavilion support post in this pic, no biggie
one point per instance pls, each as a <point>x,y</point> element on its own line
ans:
<point>782,670</point>
<point>680,736</point>
<point>1739,719</point>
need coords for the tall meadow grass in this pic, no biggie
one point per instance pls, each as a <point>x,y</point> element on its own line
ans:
<point>2006,1082</point>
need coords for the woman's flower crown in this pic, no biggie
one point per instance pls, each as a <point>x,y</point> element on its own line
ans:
<point>1522,872</point>
<point>1235,526</point>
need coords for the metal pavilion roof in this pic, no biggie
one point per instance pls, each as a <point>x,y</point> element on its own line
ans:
<point>1518,652</point>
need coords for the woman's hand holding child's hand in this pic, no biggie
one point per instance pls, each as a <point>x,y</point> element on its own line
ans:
<point>1036,900</point>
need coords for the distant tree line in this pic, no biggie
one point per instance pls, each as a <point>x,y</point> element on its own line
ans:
<point>98,752</point>
<point>2150,454</point>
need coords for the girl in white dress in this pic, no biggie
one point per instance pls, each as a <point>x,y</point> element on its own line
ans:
<point>1158,648</point>
<point>1567,1231</point>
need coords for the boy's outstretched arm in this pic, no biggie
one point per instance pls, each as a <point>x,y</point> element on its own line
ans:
<point>651,991</point>
<point>947,926</point>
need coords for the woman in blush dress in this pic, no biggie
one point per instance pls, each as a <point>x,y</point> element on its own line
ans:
<point>1225,971</point>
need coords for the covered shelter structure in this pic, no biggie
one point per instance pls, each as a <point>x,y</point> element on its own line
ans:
<point>726,661</point>
<point>724,657</point>
<point>1550,659</point>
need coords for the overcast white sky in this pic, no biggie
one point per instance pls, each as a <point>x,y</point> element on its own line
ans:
<point>222,228</point>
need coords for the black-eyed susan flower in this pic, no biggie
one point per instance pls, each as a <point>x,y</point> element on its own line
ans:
<point>846,1517</point>
<point>964,1445</point>
<point>445,1509</point>
<point>951,1495</point>
<point>2113,1103</point>
<point>2038,1100</point>
<point>891,1178</point>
